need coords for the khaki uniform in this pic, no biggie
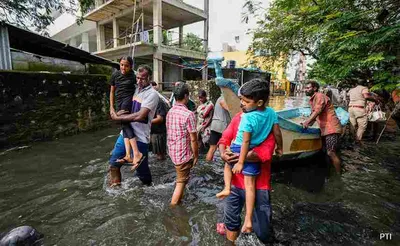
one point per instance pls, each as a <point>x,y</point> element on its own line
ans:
<point>357,110</point>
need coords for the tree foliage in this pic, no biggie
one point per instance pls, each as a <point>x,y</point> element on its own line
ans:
<point>351,40</point>
<point>193,42</point>
<point>37,14</point>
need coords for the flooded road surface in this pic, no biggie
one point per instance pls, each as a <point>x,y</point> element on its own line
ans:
<point>60,189</point>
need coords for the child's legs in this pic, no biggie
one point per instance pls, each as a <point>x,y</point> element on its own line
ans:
<point>227,176</point>
<point>250,172</point>
<point>250,188</point>
<point>128,134</point>
<point>227,181</point>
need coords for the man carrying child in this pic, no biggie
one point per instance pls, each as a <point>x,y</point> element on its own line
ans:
<point>250,131</point>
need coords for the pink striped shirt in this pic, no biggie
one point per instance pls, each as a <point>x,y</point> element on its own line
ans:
<point>180,123</point>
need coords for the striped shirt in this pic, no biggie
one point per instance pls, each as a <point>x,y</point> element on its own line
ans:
<point>180,123</point>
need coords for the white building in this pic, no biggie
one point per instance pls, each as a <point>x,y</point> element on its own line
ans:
<point>107,31</point>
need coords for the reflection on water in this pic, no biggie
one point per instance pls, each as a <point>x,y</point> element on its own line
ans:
<point>60,188</point>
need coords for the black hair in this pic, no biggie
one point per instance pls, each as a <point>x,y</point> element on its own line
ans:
<point>153,83</point>
<point>147,68</point>
<point>256,89</point>
<point>202,93</point>
<point>180,91</point>
<point>314,84</point>
<point>127,58</point>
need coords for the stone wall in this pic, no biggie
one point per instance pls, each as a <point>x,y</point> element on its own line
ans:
<point>213,91</point>
<point>39,106</point>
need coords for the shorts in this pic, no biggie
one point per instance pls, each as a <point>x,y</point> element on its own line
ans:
<point>127,130</point>
<point>249,168</point>
<point>125,104</point>
<point>159,143</point>
<point>331,141</point>
<point>214,137</point>
<point>183,171</point>
<point>261,217</point>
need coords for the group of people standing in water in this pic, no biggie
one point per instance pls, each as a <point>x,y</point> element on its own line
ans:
<point>246,142</point>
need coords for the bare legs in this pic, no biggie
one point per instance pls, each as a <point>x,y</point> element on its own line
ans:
<point>137,155</point>
<point>335,161</point>
<point>250,187</point>
<point>227,181</point>
<point>210,153</point>
<point>178,193</point>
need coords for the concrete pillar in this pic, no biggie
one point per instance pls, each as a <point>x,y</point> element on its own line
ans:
<point>157,22</point>
<point>5,53</point>
<point>115,32</point>
<point>157,32</point>
<point>85,41</point>
<point>72,42</point>
<point>180,36</point>
<point>101,43</point>
<point>205,43</point>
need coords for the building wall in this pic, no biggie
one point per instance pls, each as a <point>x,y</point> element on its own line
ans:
<point>239,56</point>
<point>41,106</point>
<point>277,68</point>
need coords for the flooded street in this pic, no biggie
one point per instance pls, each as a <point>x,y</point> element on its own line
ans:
<point>59,188</point>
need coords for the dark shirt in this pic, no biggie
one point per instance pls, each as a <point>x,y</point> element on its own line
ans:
<point>124,87</point>
<point>162,109</point>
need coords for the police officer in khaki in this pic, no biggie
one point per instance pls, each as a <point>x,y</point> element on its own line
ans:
<point>357,109</point>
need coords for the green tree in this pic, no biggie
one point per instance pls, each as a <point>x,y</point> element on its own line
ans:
<point>351,40</point>
<point>36,14</point>
<point>193,42</point>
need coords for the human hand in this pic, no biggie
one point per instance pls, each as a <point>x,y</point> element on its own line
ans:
<point>230,157</point>
<point>279,152</point>
<point>195,160</point>
<point>113,115</point>
<point>237,168</point>
<point>121,112</point>
<point>112,110</point>
<point>305,124</point>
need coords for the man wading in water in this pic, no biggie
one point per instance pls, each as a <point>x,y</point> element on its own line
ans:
<point>144,105</point>
<point>323,112</point>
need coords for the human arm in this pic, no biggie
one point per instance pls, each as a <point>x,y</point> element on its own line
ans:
<point>148,104</point>
<point>278,139</point>
<point>223,104</point>
<point>319,104</point>
<point>244,150</point>
<point>157,120</point>
<point>191,127</point>
<point>195,147</point>
<point>112,99</point>
<point>161,113</point>
<point>370,96</point>
<point>112,93</point>
<point>138,116</point>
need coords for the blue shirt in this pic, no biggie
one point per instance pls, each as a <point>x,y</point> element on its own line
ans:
<point>258,123</point>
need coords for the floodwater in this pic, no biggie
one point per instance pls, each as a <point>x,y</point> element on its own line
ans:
<point>59,188</point>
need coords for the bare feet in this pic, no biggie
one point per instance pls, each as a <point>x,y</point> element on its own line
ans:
<point>137,158</point>
<point>247,226</point>
<point>126,159</point>
<point>224,193</point>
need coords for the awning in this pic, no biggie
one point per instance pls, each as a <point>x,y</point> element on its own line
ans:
<point>24,40</point>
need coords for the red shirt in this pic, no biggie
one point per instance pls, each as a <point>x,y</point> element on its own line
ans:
<point>180,123</point>
<point>264,151</point>
<point>327,119</point>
